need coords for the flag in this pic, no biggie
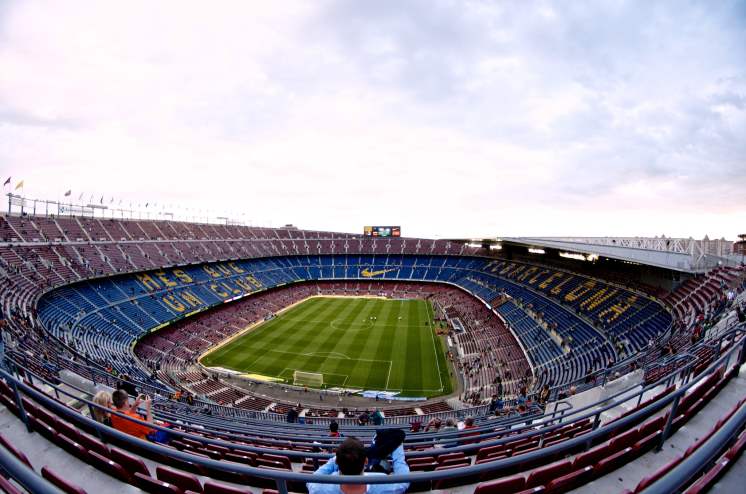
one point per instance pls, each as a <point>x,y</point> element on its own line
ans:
<point>112,200</point>
<point>146,204</point>
<point>19,185</point>
<point>69,191</point>
<point>81,197</point>
<point>6,182</point>
<point>101,201</point>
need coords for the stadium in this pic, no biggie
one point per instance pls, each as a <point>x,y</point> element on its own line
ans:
<point>349,247</point>
<point>230,328</point>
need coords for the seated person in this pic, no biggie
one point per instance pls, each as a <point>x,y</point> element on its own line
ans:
<point>435,423</point>
<point>122,405</point>
<point>350,459</point>
<point>334,430</point>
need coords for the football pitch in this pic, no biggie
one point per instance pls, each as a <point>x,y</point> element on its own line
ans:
<point>355,342</point>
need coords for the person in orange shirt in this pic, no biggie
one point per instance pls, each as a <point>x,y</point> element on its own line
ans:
<point>122,405</point>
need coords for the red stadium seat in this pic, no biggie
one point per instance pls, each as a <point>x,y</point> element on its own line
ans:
<point>61,483</point>
<point>507,485</point>
<point>570,481</point>
<point>184,481</point>
<point>704,483</point>
<point>215,488</point>
<point>132,464</point>
<point>543,475</point>
<point>155,486</point>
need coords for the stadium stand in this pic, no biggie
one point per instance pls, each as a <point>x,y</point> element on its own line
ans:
<point>77,294</point>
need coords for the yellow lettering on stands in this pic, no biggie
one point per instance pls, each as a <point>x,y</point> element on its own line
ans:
<point>552,277</point>
<point>536,278</point>
<point>162,276</point>
<point>618,309</point>
<point>191,298</point>
<point>174,303</point>
<point>250,278</point>
<point>236,268</point>
<point>527,273</point>
<point>598,298</point>
<point>235,291</point>
<point>580,291</point>
<point>211,271</point>
<point>558,289</point>
<point>244,285</point>
<point>148,282</point>
<point>217,291</point>
<point>185,278</point>
<point>224,269</point>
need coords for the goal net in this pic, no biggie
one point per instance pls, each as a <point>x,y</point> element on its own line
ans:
<point>313,379</point>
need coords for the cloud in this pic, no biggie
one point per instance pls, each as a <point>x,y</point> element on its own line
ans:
<point>451,118</point>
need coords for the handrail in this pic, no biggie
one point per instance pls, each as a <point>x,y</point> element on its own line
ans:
<point>695,462</point>
<point>281,477</point>
<point>25,476</point>
<point>553,422</point>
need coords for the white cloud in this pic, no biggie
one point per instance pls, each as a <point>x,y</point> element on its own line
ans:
<point>451,119</point>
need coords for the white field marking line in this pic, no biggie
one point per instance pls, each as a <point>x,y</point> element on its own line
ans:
<point>327,354</point>
<point>435,350</point>
<point>311,355</point>
<point>388,376</point>
<point>292,370</point>
<point>360,326</point>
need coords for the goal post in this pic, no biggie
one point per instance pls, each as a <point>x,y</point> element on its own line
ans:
<point>313,379</point>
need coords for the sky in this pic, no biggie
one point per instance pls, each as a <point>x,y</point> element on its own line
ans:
<point>449,118</point>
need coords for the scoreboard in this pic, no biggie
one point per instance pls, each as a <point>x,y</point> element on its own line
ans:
<point>382,231</point>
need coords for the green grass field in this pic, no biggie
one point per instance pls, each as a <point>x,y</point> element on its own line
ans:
<point>398,351</point>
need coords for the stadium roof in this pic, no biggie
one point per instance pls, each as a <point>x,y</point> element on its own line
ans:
<point>678,254</point>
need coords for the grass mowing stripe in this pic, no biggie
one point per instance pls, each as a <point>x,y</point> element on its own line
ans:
<point>413,373</point>
<point>384,345</point>
<point>352,344</point>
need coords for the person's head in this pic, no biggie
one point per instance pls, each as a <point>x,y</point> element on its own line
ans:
<point>469,421</point>
<point>450,422</point>
<point>102,398</point>
<point>333,427</point>
<point>351,456</point>
<point>120,398</point>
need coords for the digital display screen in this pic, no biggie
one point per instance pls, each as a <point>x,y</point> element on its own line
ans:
<point>382,231</point>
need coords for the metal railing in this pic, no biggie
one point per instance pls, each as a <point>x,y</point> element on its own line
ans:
<point>733,356</point>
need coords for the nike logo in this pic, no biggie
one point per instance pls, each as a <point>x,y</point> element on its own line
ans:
<point>367,273</point>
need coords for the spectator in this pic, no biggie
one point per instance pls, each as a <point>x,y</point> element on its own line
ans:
<point>377,417</point>
<point>450,425</point>
<point>334,430</point>
<point>350,459</point>
<point>363,418</point>
<point>435,424</point>
<point>102,398</point>
<point>292,416</point>
<point>522,400</point>
<point>121,403</point>
<point>544,394</point>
